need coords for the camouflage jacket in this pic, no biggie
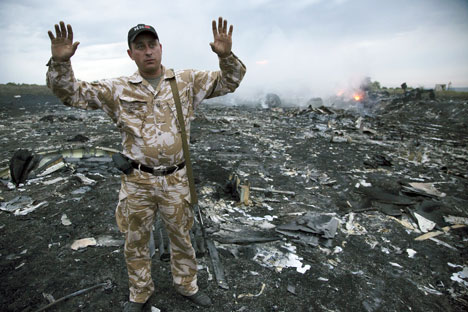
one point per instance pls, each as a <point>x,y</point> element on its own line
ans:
<point>147,117</point>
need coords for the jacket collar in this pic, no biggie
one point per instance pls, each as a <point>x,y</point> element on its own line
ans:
<point>137,78</point>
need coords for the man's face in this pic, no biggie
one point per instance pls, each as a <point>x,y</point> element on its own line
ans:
<point>146,51</point>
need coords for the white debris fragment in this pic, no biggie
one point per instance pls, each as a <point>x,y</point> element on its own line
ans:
<point>461,276</point>
<point>411,252</point>
<point>406,223</point>
<point>427,188</point>
<point>154,309</point>
<point>395,264</point>
<point>53,244</point>
<point>207,190</point>
<point>337,249</point>
<point>108,241</point>
<point>363,183</point>
<point>456,220</point>
<point>28,209</point>
<point>19,266</point>
<point>270,218</point>
<point>253,295</point>
<point>426,290</point>
<point>51,169</point>
<point>323,279</point>
<point>353,228</point>
<point>266,225</point>
<point>83,243</point>
<point>385,250</point>
<point>49,297</point>
<point>425,225</point>
<point>65,220</point>
<point>53,181</point>
<point>85,180</point>
<point>279,259</point>
<point>439,242</point>
<point>267,206</point>
<point>16,203</point>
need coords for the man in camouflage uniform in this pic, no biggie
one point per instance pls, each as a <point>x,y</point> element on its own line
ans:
<point>144,110</point>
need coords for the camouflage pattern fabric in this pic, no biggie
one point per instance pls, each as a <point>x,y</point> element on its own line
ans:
<point>147,117</point>
<point>147,120</point>
<point>138,204</point>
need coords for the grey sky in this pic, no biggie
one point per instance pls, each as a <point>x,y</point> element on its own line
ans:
<point>301,48</point>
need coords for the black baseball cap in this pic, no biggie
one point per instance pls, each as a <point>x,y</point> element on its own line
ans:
<point>138,29</point>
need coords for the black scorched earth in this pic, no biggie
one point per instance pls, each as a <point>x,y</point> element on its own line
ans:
<point>310,209</point>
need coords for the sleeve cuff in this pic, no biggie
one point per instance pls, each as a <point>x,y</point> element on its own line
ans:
<point>51,62</point>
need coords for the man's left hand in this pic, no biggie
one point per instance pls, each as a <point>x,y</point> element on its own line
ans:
<point>222,38</point>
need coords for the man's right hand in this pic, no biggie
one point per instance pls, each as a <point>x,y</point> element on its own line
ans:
<point>62,45</point>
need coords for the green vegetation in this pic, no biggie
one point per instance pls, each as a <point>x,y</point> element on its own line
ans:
<point>375,86</point>
<point>451,95</point>
<point>11,89</point>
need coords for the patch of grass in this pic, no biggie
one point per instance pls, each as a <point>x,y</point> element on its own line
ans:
<point>451,95</point>
<point>11,89</point>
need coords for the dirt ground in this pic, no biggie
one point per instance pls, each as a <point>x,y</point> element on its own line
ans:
<point>334,167</point>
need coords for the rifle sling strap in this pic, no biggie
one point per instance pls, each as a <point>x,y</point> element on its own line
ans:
<point>185,147</point>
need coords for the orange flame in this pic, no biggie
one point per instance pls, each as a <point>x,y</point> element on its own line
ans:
<point>357,97</point>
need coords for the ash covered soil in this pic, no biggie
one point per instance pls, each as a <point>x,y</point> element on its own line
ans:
<point>338,163</point>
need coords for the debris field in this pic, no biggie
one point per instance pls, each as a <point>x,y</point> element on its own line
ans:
<point>343,207</point>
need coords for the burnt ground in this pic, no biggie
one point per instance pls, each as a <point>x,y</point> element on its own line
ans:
<point>335,166</point>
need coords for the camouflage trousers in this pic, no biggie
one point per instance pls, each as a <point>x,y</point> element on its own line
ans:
<point>141,196</point>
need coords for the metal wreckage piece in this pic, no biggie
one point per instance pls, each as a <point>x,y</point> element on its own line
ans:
<point>241,192</point>
<point>200,242</point>
<point>25,164</point>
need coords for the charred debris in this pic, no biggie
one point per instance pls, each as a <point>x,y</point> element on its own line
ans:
<point>371,189</point>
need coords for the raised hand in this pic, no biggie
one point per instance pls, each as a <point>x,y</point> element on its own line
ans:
<point>222,38</point>
<point>62,45</point>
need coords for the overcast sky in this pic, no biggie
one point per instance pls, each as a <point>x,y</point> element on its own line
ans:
<point>303,47</point>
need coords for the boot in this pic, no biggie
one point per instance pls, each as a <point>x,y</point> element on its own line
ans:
<point>200,299</point>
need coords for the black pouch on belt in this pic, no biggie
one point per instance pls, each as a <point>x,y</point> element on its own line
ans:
<point>122,163</point>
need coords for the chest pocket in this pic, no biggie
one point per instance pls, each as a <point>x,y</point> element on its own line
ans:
<point>167,113</point>
<point>133,112</point>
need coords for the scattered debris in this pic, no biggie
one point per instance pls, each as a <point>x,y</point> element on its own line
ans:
<point>395,158</point>
<point>21,205</point>
<point>425,225</point>
<point>274,258</point>
<point>437,233</point>
<point>456,220</point>
<point>411,252</point>
<point>352,227</point>
<point>83,243</point>
<point>65,220</point>
<point>427,189</point>
<point>252,295</point>
<point>292,289</point>
<point>16,203</point>
<point>109,241</point>
<point>461,276</point>
<point>310,228</point>
<point>439,242</point>
<point>106,285</point>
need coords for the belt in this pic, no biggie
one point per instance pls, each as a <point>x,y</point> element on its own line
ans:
<point>158,171</point>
